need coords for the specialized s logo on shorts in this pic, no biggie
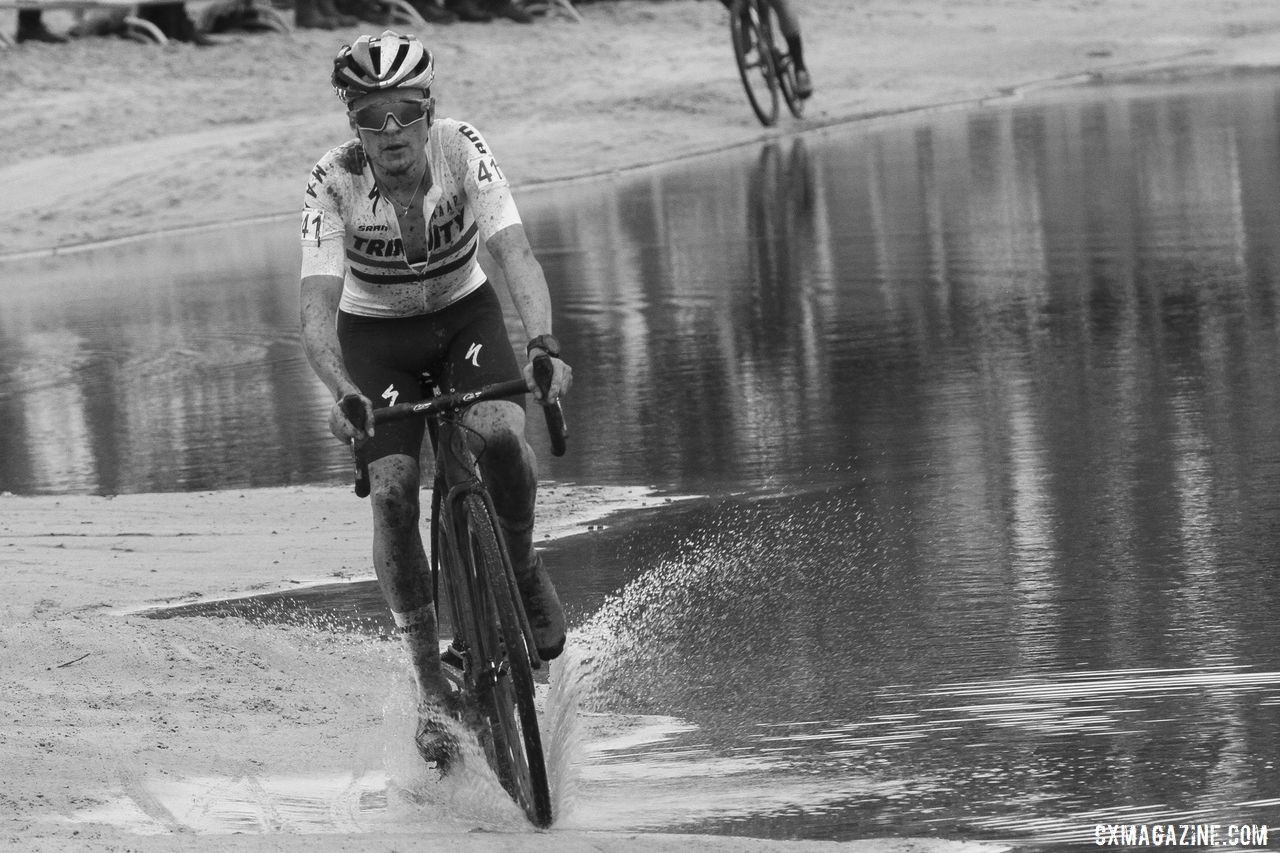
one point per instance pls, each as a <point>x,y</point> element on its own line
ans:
<point>390,394</point>
<point>473,354</point>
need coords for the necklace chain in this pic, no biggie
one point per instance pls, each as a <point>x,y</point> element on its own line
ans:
<point>404,208</point>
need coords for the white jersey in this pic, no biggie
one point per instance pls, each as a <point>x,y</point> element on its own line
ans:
<point>350,229</point>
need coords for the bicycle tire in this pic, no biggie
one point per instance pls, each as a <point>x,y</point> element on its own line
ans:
<point>507,698</point>
<point>783,66</point>
<point>753,50</point>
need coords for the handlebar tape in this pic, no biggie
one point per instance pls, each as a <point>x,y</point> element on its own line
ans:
<point>556,428</point>
<point>354,412</point>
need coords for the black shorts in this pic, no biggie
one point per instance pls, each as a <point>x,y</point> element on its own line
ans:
<point>398,359</point>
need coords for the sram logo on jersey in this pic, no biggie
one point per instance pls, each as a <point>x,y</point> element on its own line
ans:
<point>376,227</point>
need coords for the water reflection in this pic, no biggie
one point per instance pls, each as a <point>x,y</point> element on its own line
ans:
<point>171,364</point>
<point>694,296</point>
<point>806,634</point>
<point>794,309</point>
<point>1031,350</point>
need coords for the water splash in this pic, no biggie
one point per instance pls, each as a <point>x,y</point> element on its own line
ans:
<point>699,625</point>
<point>469,795</point>
<point>659,673</point>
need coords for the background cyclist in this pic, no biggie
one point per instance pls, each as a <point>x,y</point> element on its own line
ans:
<point>791,33</point>
<point>392,290</point>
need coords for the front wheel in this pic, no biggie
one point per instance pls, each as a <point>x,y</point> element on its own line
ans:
<point>506,686</point>
<point>754,50</point>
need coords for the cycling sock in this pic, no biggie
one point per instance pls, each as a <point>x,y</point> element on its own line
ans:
<point>413,620</point>
<point>418,635</point>
<point>796,51</point>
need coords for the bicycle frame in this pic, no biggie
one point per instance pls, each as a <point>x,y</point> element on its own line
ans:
<point>469,548</point>
<point>492,634</point>
<point>448,514</point>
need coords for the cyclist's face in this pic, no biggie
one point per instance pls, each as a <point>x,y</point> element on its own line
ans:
<point>400,145</point>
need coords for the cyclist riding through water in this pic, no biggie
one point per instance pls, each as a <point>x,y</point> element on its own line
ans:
<point>392,291</point>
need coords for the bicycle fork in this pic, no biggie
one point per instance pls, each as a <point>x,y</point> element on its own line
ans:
<point>444,515</point>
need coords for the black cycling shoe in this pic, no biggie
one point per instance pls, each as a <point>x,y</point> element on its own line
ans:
<point>437,742</point>
<point>440,724</point>
<point>804,86</point>
<point>509,10</point>
<point>434,13</point>
<point>470,11</point>
<point>452,656</point>
<point>39,32</point>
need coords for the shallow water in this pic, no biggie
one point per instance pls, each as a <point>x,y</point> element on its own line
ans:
<point>981,409</point>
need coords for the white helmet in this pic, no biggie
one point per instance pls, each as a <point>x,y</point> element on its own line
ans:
<point>388,61</point>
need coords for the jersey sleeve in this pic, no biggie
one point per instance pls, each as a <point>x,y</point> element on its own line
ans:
<point>323,230</point>
<point>486,186</point>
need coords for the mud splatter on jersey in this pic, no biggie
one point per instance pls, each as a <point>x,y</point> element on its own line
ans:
<point>350,230</point>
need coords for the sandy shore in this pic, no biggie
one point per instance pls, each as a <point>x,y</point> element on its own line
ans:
<point>124,732</point>
<point>103,710</point>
